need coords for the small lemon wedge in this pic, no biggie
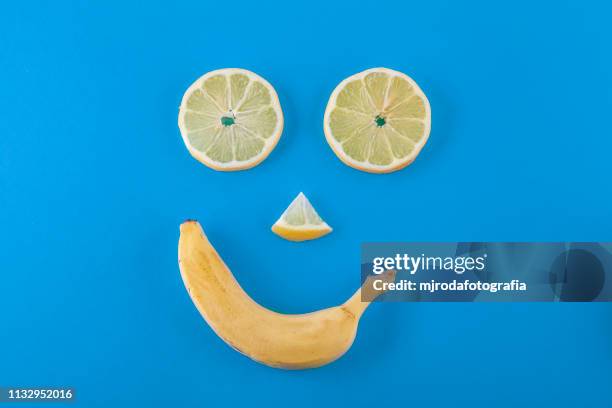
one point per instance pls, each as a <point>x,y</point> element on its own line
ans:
<point>300,222</point>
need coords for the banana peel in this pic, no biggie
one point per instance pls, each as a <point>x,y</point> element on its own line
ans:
<point>288,341</point>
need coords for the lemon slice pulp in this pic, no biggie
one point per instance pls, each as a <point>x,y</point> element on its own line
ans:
<point>300,222</point>
<point>377,120</point>
<point>230,119</point>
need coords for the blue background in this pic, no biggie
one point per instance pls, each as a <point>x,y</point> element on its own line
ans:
<point>94,181</point>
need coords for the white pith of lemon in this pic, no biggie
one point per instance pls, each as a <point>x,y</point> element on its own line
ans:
<point>300,221</point>
<point>377,120</point>
<point>230,119</point>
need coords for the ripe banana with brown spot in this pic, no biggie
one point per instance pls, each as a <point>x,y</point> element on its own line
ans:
<point>291,341</point>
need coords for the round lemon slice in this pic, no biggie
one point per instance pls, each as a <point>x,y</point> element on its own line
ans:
<point>230,119</point>
<point>377,120</point>
<point>300,222</point>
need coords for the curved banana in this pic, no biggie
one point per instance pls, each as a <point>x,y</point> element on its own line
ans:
<point>277,340</point>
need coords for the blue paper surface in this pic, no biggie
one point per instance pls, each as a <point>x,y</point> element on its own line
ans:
<point>95,180</point>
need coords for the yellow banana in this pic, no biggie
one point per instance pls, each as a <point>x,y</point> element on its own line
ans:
<point>278,340</point>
